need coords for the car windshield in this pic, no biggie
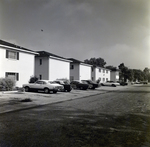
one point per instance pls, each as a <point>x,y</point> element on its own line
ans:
<point>84,82</point>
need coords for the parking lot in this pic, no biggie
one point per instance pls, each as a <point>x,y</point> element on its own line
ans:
<point>17,100</point>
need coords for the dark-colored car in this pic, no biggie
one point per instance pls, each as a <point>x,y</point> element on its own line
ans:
<point>92,85</point>
<point>79,85</point>
<point>122,83</point>
<point>67,86</point>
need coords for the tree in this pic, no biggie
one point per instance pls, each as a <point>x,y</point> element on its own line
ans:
<point>96,62</point>
<point>138,75</point>
<point>123,74</point>
<point>112,68</point>
<point>146,73</point>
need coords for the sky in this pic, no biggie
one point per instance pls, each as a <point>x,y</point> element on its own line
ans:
<point>116,30</point>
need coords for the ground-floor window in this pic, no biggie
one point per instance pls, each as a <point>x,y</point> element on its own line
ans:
<point>40,77</point>
<point>103,79</point>
<point>106,79</point>
<point>12,75</point>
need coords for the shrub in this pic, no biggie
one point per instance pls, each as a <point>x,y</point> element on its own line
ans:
<point>33,79</point>
<point>7,84</point>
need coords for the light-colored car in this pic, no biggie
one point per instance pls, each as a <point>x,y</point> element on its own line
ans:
<point>60,87</point>
<point>110,83</point>
<point>44,85</point>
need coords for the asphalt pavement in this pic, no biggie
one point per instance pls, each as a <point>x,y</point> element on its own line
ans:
<point>11,101</point>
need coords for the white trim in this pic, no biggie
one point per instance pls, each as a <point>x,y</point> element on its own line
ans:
<point>19,49</point>
<point>60,59</point>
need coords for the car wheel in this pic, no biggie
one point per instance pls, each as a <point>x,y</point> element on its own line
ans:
<point>54,91</point>
<point>46,90</point>
<point>68,90</point>
<point>102,84</point>
<point>74,86</point>
<point>113,85</point>
<point>81,88</point>
<point>27,89</point>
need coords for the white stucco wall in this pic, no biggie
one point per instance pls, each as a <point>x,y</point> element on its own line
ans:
<point>24,66</point>
<point>102,75</point>
<point>85,72</point>
<point>42,69</point>
<point>58,69</point>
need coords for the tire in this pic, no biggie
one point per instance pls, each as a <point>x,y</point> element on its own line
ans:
<point>27,89</point>
<point>81,88</point>
<point>102,84</point>
<point>113,85</point>
<point>46,90</point>
<point>54,91</point>
<point>68,90</point>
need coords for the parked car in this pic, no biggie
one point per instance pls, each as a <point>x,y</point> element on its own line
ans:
<point>144,82</point>
<point>60,87</point>
<point>44,85</point>
<point>92,85</point>
<point>79,85</point>
<point>67,86</point>
<point>122,83</point>
<point>110,83</point>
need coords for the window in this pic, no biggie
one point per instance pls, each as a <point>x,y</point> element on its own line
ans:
<point>106,71</point>
<point>40,77</point>
<point>99,70</point>
<point>103,79</point>
<point>71,66</point>
<point>12,54</point>
<point>40,61</point>
<point>103,70</point>
<point>106,79</point>
<point>11,75</point>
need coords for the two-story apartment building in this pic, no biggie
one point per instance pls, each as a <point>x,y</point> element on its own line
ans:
<point>49,66</point>
<point>101,74</point>
<point>79,70</point>
<point>114,75</point>
<point>16,62</point>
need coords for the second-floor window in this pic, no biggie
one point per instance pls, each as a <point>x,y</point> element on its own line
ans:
<point>103,70</point>
<point>71,66</point>
<point>106,71</point>
<point>40,61</point>
<point>12,54</point>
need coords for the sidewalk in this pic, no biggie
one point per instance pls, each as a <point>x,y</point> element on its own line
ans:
<point>11,101</point>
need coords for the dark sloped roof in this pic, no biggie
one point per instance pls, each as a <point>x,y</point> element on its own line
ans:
<point>78,61</point>
<point>74,60</point>
<point>2,42</point>
<point>47,54</point>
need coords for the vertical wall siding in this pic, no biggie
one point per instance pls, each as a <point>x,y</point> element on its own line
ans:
<point>43,68</point>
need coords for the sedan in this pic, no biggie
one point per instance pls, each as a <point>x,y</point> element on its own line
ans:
<point>43,85</point>
<point>67,86</point>
<point>92,85</point>
<point>110,83</point>
<point>79,85</point>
